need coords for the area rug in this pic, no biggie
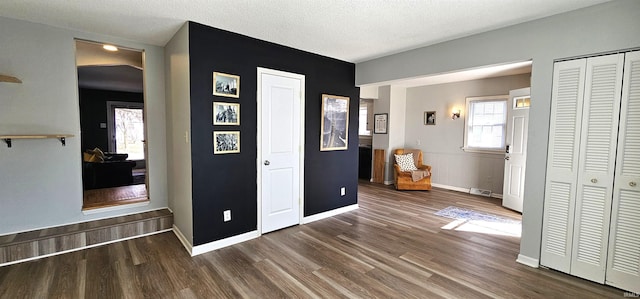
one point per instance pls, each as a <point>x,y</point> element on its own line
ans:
<point>477,222</point>
<point>460,213</point>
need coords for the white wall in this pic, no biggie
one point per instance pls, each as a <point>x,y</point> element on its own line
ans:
<point>179,128</point>
<point>41,181</point>
<point>601,28</point>
<point>441,144</point>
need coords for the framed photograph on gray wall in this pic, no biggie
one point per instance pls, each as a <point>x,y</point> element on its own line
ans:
<point>226,142</point>
<point>226,114</point>
<point>334,124</point>
<point>226,85</point>
<point>430,118</point>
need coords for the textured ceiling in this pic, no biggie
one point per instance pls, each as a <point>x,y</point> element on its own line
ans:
<point>354,31</point>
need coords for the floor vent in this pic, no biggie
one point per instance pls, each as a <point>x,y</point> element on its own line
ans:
<point>478,191</point>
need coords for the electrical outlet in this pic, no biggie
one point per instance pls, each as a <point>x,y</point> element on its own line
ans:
<point>186,137</point>
<point>343,191</point>
<point>417,141</point>
<point>227,215</point>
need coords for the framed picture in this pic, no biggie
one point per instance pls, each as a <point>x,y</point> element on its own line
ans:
<point>380,123</point>
<point>226,142</point>
<point>430,118</point>
<point>334,127</point>
<point>226,85</point>
<point>226,114</point>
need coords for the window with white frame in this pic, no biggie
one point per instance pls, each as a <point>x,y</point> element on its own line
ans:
<point>485,123</point>
<point>366,113</point>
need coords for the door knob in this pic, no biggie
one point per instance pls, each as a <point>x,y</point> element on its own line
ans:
<point>507,158</point>
<point>594,181</point>
<point>632,184</point>
<point>266,162</point>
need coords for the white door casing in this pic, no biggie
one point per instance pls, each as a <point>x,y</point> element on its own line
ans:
<point>516,154</point>
<point>280,149</point>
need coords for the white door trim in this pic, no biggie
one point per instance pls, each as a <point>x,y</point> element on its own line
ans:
<point>260,72</point>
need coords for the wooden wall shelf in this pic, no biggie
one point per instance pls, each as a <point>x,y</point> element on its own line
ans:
<point>61,137</point>
<point>9,79</point>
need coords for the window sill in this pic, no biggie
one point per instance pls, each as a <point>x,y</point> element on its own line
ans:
<point>483,150</point>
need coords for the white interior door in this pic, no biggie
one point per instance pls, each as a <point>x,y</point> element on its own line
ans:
<point>516,153</point>
<point>623,266</point>
<point>280,101</point>
<point>562,164</point>
<point>600,119</point>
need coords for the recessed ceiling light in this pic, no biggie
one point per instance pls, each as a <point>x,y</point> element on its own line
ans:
<point>111,48</point>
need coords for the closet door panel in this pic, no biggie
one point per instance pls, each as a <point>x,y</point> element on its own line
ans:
<point>623,266</point>
<point>562,164</point>
<point>598,143</point>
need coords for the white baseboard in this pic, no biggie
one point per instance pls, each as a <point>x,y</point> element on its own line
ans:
<point>460,189</point>
<point>525,260</point>
<point>388,182</point>
<point>187,245</point>
<point>453,188</point>
<point>328,214</point>
<point>211,246</point>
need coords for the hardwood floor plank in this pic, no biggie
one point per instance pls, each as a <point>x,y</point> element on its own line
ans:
<point>64,280</point>
<point>211,285</point>
<point>284,281</point>
<point>81,280</point>
<point>101,281</point>
<point>127,279</point>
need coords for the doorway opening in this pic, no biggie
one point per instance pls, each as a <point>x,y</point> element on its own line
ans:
<point>111,102</point>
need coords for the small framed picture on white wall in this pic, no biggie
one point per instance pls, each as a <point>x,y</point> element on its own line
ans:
<point>430,118</point>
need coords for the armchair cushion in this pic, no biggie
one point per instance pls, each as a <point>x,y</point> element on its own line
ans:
<point>405,162</point>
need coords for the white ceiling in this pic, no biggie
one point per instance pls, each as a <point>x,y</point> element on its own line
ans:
<point>354,31</point>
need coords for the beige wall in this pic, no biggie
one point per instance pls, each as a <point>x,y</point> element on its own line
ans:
<point>179,132</point>
<point>441,144</point>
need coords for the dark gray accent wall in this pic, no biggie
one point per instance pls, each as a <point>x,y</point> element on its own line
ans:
<point>222,182</point>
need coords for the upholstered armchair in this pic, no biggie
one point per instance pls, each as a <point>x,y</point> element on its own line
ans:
<point>404,180</point>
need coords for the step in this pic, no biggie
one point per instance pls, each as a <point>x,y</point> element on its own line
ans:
<point>56,240</point>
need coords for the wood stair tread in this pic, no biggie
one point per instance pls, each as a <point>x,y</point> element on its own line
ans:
<point>58,231</point>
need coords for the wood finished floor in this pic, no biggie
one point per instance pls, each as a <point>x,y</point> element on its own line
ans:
<point>108,197</point>
<point>392,247</point>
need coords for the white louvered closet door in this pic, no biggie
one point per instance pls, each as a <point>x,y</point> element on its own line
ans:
<point>623,266</point>
<point>601,113</point>
<point>562,164</point>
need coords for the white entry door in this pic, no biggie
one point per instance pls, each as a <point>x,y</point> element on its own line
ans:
<point>516,153</point>
<point>280,104</point>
